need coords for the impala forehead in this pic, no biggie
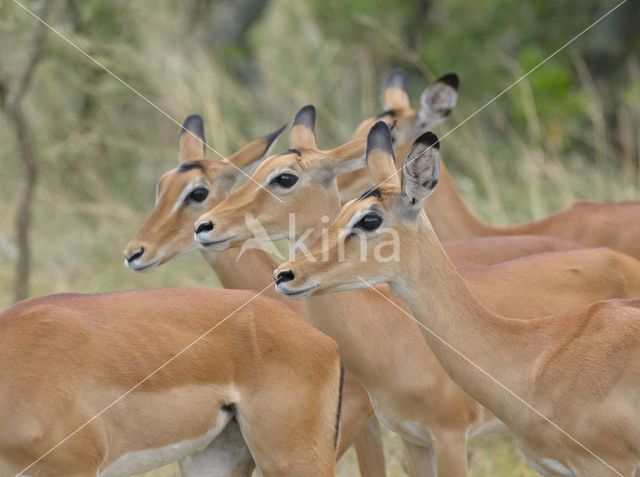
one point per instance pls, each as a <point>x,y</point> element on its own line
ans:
<point>174,182</point>
<point>274,164</point>
<point>175,185</point>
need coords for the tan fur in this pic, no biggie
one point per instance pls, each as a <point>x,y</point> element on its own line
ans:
<point>382,346</point>
<point>191,147</point>
<point>614,225</point>
<point>302,137</point>
<point>594,224</point>
<point>66,357</point>
<point>166,234</point>
<point>396,98</point>
<point>578,369</point>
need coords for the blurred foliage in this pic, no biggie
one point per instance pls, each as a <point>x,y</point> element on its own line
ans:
<point>569,130</point>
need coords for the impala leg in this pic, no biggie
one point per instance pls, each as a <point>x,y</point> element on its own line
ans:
<point>451,454</point>
<point>291,431</point>
<point>421,459</point>
<point>370,451</point>
<point>227,456</point>
<point>358,427</point>
<point>285,446</point>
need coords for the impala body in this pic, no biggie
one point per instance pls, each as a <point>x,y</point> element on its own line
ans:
<point>567,385</point>
<point>80,362</point>
<point>380,343</point>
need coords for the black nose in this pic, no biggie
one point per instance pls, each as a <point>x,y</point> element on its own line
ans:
<point>285,276</point>
<point>204,227</point>
<point>135,255</point>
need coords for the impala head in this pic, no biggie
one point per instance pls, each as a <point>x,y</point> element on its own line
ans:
<point>300,181</point>
<point>182,194</point>
<point>338,263</point>
<point>436,103</point>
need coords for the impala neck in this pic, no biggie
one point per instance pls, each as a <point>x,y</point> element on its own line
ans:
<point>251,269</point>
<point>329,313</point>
<point>452,219</point>
<point>442,303</point>
<point>449,215</point>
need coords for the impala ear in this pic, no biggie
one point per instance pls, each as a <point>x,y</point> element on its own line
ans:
<point>395,91</point>
<point>250,155</point>
<point>438,100</point>
<point>365,126</point>
<point>346,158</point>
<point>302,135</point>
<point>191,142</point>
<point>420,171</point>
<point>380,158</point>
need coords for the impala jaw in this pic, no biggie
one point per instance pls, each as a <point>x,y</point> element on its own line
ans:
<point>214,244</point>
<point>296,293</point>
<point>141,258</point>
<point>284,278</point>
<point>136,266</point>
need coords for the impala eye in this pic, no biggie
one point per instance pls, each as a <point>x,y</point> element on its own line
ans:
<point>198,194</point>
<point>286,180</point>
<point>369,222</point>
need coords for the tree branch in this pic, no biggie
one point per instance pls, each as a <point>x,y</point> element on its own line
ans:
<point>12,92</point>
<point>23,80</point>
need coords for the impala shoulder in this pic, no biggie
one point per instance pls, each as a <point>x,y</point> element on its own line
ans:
<point>586,333</point>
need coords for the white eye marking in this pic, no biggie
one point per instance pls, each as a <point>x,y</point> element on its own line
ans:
<point>354,220</point>
<point>278,172</point>
<point>185,192</point>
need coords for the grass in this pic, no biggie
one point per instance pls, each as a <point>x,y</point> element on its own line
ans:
<point>98,177</point>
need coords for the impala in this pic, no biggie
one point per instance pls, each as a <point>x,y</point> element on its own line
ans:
<point>436,103</point>
<point>410,392</point>
<point>147,377</point>
<point>567,385</point>
<point>594,224</point>
<point>196,185</point>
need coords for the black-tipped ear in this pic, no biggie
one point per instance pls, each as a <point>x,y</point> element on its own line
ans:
<point>397,79</point>
<point>450,79</point>
<point>395,91</point>
<point>306,117</point>
<point>379,138</point>
<point>271,137</point>
<point>191,140</point>
<point>194,124</point>
<point>380,158</point>
<point>303,128</point>
<point>250,155</point>
<point>427,139</point>
<point>420,171</point>
<point>437,101</point>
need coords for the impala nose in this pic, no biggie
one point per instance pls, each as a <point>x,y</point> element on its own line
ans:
<point>284,276</point>
<point>206,226</point>
<point>134,256</point>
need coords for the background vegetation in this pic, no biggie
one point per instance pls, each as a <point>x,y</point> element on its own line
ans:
<point>568,131</point>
